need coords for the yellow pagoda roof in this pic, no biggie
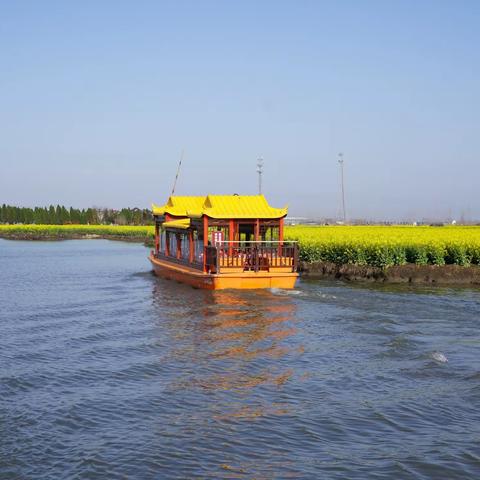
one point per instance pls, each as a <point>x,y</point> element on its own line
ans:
<point>179,206</point>
<point>182,223</point>
<point>220,206</point>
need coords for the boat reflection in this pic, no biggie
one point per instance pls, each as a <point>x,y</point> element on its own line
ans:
<point>233,356</point>
<point>239,338</point>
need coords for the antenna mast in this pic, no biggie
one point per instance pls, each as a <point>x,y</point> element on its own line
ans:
<point>178,171</point>
<point>340,162</point>
<point>260,171</point>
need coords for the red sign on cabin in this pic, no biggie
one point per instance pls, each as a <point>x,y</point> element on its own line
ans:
<point>217,237</point>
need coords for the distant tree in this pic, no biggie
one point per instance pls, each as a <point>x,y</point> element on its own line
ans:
<point>127,215</point>
<point>74,215</point>
<point>37,216</point>
<point>51,215</point>
<point>60,215</point>
<point>147,217</point>
<point>91,216</point>
<point>109,216</point>
<point>10,214</point>
<point>65,215</point>
<point>28,215</point>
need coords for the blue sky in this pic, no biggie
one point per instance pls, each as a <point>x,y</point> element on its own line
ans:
<point>97,100</point>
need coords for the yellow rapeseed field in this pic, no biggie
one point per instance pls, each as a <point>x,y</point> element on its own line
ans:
<point>386,246</point>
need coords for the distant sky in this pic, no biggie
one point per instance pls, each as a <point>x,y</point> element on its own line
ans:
<point>98,98</point>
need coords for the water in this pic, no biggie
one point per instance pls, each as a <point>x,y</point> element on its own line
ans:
<point>108,372</point>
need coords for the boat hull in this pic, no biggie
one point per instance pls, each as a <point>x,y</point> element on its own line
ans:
<point>237,280</point>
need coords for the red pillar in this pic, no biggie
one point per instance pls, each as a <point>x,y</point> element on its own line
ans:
<point>167,237</point>
<point>280,236</point>
<point>205,241</point>
<point>179,245</point>
<point>231,237</point>
<point>257,230</point>
<point>190,242</point>
<point>157,238</point>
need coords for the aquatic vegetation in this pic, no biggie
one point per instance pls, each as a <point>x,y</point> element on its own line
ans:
<point>384,246</point>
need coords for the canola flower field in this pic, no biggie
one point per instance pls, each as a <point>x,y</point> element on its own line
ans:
<point>385,246</point>
<point>379,246</point>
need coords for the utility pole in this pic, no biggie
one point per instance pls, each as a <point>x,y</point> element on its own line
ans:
<point>260,171</point>
<point>340,162</point>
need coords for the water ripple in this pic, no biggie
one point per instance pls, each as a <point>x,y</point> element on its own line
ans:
<point>110,372</point>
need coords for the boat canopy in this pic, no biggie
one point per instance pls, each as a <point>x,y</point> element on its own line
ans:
<point>183,223</point>
<point>220,206</point>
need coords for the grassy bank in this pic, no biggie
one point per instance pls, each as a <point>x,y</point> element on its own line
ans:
<point>60,232</point>
<point>341,245</point>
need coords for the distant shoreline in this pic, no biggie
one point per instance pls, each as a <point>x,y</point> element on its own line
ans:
<point>138,233</point>
<point>88,236</point>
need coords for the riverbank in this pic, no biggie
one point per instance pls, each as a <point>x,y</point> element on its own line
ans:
<point>409,273</point>
<point>88,236</point>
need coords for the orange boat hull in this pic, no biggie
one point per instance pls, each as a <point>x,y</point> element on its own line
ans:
<point>236,280</point>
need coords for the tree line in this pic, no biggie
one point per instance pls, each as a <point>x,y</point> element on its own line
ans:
<point>59,215</point>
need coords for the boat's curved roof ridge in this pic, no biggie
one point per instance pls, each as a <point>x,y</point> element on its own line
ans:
<point>221,207</point>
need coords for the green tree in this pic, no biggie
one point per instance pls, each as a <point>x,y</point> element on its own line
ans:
<point>51,215</point>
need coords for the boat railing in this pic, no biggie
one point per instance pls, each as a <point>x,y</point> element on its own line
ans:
<point>197,263</point>
<point>236,256</point>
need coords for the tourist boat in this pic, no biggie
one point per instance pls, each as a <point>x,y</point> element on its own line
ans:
<point>223,241</point>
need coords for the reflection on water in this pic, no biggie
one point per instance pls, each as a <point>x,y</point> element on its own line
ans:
<point>110,372</point>
<point>232,334</point>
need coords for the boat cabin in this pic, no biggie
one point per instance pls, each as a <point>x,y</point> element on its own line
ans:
<point>223,234</point>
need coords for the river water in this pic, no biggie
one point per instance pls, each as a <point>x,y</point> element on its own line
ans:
<point>108,372</point>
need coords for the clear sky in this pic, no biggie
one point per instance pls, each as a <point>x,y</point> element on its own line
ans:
<point>98,98</point>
